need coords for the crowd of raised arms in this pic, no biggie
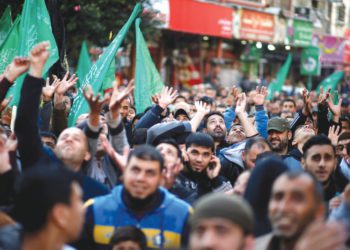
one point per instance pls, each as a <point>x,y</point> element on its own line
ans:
<point>199,169</point>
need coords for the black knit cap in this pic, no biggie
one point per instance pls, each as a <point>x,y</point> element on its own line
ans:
<point>218,205</point>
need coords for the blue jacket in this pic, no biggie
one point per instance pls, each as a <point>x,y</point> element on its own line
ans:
<point>261,119</point>
<point>163,227</point>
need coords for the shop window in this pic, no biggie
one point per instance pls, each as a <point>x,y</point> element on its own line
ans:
<point>341,13</point>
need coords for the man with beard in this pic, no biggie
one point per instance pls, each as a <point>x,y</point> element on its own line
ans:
<point>138,202</point>
<point>214,125</point>
<point>295,204</point>
<point>279,134</point>
<point>201,170</point>
<point>319,159</point>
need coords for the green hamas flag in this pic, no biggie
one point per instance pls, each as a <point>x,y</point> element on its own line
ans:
<point>147,78</point>
<point>5,24</point>
<point>35,27</point>
<point>9,48</point>
<point>331,82</point>
<point>109,78</point>
<point>99,70</point>
<point>277,84</point>
<point>84,63</point>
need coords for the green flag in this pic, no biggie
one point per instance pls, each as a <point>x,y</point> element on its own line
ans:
<point>277,84</point>
<point>310,63</point>
<point>9,48</point>
<point>147,78</point>
<point>109,78</point>
<point>331,81</point>
<point>84,63</point>
<point>35,27</point>
<point>99,70</point>
<point>5,23</point>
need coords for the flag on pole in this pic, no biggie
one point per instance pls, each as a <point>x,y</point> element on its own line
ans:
<point>99,70</point>
<point>5,24</point>
<point>9,47</point>
<point>277,84</point>
<point>331,82</point>
<point>84,63</point>
<point>147,79</point>
<point>35,27</point>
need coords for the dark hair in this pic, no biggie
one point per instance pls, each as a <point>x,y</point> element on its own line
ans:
<point>173,143</point>
<point>147,153</point>
<point>318,189</point>
<point>179,96</point>
<point>48,134</point>
<point>205,120</point>
<point>260,141</point>
<point>289,100</point>
<point>207,100</point>
<point>139,136</point>
<point>200,139</point>
<point>317,140</point>
<point>344,136</point>
<point>40,189</point>
<point>129,233</point>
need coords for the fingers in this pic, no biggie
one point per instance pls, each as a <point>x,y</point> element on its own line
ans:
<point>40,47</point>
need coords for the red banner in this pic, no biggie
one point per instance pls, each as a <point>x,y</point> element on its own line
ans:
<point>347,46</point>
<point>256,26</point>
<point>201,18</point>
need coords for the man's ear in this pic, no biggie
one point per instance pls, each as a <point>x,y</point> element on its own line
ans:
<point>87,156</point>
<point>290,135</point>
<point>243,155</point>
<point>249,243</point>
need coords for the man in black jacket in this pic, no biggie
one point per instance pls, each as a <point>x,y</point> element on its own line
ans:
<point>201,171</point>
<point>72,145</point>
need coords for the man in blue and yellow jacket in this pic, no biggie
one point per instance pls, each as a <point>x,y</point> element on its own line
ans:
<point>140,202</point>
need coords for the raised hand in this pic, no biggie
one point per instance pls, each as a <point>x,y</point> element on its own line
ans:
<point>66,83</point>
<point>117,98</point>
<point>241,104</point>
<point>322,97</point>
<point>202,107</point>
<point>335,108</point>
<point>333,134</point>
<point>234,93</point>
<point>214,167</point>
<point>17,67</point>
<point>49,90</point>
<point>170,174</point>
<point>259,96</point>
<point>118,159</point>
<point>38,57</point>
<point>5,103</point>
<point>307,97</point>
<point>166,97</point>
<point>95,102</point>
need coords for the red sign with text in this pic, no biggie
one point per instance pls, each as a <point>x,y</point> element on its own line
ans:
<point>200,18</point>
<point>257,26</point>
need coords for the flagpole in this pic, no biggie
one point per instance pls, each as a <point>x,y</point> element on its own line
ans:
<point>309,82</point>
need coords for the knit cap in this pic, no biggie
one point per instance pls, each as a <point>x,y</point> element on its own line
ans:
<point>218,205</point>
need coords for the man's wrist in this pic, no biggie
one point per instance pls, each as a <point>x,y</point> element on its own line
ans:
<point>36,72</point>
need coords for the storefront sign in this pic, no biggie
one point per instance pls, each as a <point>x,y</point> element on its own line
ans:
<point>302,33</point>
<point>331,48</point>
<point>256,26</point>
<point>201,18</point>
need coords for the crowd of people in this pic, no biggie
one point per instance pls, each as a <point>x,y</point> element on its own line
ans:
<point>200,169</point>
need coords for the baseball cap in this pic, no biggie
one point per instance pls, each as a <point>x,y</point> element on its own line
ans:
<point>279,124</point>
<point>182,108</point>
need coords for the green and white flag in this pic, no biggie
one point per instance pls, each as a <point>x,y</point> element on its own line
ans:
<point>9,47</point>
<point>331,82</point>
<point>5,24</point>
<point>147,79</point>
<point>35,27</point>
<point>281,76</point>
<point>84,63</point>
<point>99,70</point>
